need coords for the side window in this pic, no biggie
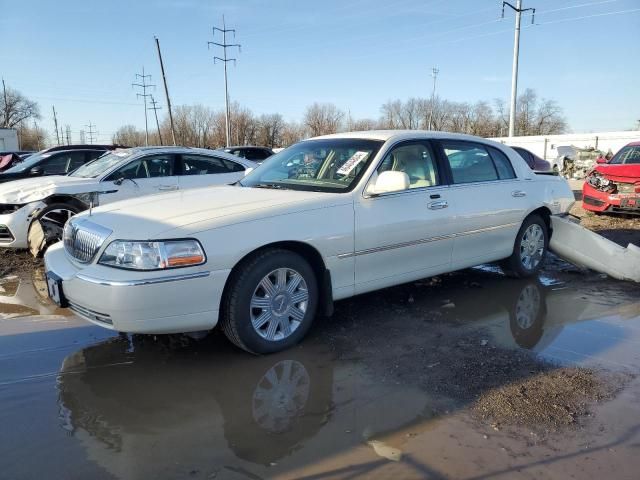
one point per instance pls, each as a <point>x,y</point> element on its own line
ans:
<point>199,165</point>
<point>414,159</point>
<point>132,170</point>
<point>233,166</point>
<point>55,165</point>
<point>503,164</point>
<point>255,154</point>
<point>159,165</point>
<point>469,162</point>
<point>77,159</point>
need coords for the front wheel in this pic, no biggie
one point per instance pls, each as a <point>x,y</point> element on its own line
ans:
<point>270,302</point>
<point>529,250</point>
<point>47,227</point>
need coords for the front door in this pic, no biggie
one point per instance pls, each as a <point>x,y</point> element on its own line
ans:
<point>403,236</point>
<point>142,176</point>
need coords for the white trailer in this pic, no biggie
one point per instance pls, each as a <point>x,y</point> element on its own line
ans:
<point>9,140</point>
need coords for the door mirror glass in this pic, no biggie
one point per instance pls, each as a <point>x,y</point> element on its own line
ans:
<point>389,181</point>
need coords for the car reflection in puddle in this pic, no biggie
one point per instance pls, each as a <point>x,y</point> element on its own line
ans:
<point>26,295</point>
<point>141,405</point>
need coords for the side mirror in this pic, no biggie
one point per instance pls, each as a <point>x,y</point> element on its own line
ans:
<point>247,171</point>
<point>118,181</point>
<point>389,181</point>
<point>601,160</point>
<point>36,171</point>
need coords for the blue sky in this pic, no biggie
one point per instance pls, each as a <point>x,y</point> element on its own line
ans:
<point>81,56</point>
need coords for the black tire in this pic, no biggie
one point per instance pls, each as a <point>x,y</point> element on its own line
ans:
<point>52,229</point>
<point>514,266</point>
<point>236,312</point>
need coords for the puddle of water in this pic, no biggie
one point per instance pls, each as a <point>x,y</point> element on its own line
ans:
<point>138,407</point>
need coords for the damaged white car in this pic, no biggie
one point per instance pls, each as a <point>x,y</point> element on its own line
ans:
<point>33,211</point>
<point>326,219</point>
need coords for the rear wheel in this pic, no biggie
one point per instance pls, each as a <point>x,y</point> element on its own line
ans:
<point>530,249</point>
<point>270,302</point>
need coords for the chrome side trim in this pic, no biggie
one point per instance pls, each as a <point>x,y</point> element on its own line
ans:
<point>146,281</point>
<point>423,240</point>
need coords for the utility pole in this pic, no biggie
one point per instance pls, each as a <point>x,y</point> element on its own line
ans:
<point>434,74</point>
<point>516,47</point>
<point>83,138</point>
<point>224,30</point>
<point>6,105</point>
<point>68,129</point>
<point>155,109</point>
<point>144,85</point>
<point>91,128</point>
<point>55,121</point>
<point>166,93</point>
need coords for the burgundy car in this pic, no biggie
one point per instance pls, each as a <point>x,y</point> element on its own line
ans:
<point>535,163</point>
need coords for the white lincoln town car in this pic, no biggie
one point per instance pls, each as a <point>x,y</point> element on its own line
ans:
<point>325,219</point>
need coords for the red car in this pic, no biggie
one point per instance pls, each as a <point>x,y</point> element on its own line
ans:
<point>614,186</point>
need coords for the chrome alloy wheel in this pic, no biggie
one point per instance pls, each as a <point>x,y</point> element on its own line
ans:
<point>532,246</point>
<point>278,304</point>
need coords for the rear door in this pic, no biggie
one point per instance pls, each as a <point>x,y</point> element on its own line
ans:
<point>197,170</point>
<point>490,200</point>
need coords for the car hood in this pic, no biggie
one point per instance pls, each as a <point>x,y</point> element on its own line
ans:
<point>34,189</point>
<point>190,211</point>
<point>620,173</point>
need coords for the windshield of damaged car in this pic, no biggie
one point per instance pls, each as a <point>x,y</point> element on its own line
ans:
<point>627,155</point>
<point>100,165</point>
<point>25,165</point>
<point>332,165</point>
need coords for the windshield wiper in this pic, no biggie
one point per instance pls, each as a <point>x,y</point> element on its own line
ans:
<point>276,186</point>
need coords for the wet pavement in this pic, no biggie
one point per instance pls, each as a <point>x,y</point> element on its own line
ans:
<point>385,388</point>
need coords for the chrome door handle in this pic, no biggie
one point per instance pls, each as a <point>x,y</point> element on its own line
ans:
<point>438,205</point>
<point>167,187</point>
<point>518,193</point>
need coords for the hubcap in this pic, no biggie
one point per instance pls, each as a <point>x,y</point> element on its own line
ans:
<point>278,304</point>
<point>532,246</point>
<point>281,396</point>
<point>527,307</point>
<point>53,222</point>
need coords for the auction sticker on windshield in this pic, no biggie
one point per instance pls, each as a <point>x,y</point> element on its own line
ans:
<point>350,164</point>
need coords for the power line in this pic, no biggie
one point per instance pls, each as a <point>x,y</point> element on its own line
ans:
<point>224,30</point>
<point>155,109</point>
<point>144,85</point>
<point>91,128</point>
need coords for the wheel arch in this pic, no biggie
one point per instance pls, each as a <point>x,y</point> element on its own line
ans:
<point>311,255</point>
<point>545,214</point>
<point>69,199</point>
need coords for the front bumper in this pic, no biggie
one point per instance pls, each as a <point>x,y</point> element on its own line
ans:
<point>595,200</point>
<point>169,301</point>
<point>14,227</point>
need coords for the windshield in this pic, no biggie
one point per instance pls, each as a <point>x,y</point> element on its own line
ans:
<point>332,165</point>
<point>30,162</point>
<point>629,154</point>
<point>100,165</point>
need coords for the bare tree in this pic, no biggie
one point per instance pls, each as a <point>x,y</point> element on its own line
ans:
<point>32,138</point>
<point>270,128</point>
<point>129,135</point>
<point>534,116</point>
<point>17,109</point>
<point>292,133</point>
<point>323,119</point>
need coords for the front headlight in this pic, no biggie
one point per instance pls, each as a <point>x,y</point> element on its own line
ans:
<point>153,255</point>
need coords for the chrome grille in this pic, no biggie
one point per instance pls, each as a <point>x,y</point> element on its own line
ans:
<point>82,239</point>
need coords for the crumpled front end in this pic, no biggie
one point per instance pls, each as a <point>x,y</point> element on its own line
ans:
<point>603,192</point>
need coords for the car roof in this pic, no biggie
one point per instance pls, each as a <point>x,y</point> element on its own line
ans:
<point>180,149</point>
<point>634,144</point>
<point>239,147</point>
<point>386,135</point>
